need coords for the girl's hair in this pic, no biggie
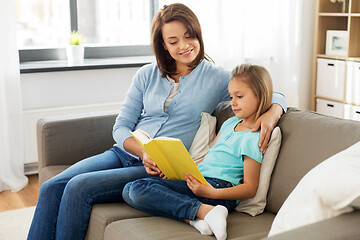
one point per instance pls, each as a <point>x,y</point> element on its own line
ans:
<point>170,13</point>
<point>259,80</point>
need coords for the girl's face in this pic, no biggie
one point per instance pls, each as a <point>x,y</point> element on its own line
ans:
<point>178,43</point>
<point>244,102</point>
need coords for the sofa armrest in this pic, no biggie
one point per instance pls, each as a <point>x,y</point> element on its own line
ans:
<point>345,226</point>
<point>66,140</point>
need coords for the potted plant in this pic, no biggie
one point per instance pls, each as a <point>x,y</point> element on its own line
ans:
<point>75,51</point>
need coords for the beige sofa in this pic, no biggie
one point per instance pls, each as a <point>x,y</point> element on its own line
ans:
<point>307,139</point>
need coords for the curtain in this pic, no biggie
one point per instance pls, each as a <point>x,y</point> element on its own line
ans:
<point>11,141</point>
<point>276,34</point>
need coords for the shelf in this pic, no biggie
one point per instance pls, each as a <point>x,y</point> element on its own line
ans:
<point>329,16</point>
<point>334,14</point>
<point>330,99</point>
<point>332,57</point>
<point>354,59</point>
<point>329,23</point>
<point>327,6</point>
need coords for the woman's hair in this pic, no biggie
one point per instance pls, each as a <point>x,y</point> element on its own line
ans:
<point>259,80</point>
<point>170,13</point>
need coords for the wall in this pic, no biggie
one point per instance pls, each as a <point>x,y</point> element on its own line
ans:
<point>69,92</point>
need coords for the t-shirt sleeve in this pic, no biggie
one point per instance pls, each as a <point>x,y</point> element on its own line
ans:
<point>251,147</point>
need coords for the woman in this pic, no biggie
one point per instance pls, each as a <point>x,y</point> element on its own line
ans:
<point>165,98</point>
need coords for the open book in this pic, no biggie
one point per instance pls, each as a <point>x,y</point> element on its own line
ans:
<point>170,155</point>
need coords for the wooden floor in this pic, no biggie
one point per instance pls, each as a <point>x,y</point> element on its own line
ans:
<point>27,197</point>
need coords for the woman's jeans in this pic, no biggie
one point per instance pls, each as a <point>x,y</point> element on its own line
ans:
<point>170,197</point>
<point>65,201</point>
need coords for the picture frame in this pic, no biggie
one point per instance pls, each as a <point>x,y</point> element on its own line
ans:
<point>337,42</point>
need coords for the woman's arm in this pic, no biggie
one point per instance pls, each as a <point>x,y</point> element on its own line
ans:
<point>245,190</point>
<point>267,122</point>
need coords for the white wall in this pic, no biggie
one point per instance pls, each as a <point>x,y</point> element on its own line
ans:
<point>69,92</point>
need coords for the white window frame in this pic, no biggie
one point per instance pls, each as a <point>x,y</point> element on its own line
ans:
<point>48,54</point>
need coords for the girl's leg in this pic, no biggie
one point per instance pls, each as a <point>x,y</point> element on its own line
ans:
<point>173,199</point>
<point>162,197</point>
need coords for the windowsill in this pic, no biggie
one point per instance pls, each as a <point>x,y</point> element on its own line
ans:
<point>104,63</point>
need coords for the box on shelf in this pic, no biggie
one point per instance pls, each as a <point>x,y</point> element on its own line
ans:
<point>330,78</point>
<point>329,108</point>
<point>352,112</point>
<point>353,83</point>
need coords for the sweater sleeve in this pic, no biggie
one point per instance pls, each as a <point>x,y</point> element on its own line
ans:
<point>130,111</point>
<point>279,98</point>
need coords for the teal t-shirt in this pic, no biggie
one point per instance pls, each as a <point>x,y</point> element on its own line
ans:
<point>225,159</point>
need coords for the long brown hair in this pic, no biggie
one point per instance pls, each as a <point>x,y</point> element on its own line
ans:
<point>174,12</point>
<point>259,80</point>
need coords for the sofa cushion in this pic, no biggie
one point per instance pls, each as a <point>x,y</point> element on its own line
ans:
<point>240,226</point>
<point>106,213</point>
<point>307,139</point>
<point>324,192</point>
<point>203,137</point>
<point>50,171</point>
<point>256,205</point>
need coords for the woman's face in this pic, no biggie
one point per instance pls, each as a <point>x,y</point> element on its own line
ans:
<point>178,43</point>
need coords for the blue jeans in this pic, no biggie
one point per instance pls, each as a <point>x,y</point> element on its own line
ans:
<point>171,198</point>
<point>65,201</point>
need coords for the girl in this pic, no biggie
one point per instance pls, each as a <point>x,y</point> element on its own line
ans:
<point>166,98</point>
<point>231,167</point>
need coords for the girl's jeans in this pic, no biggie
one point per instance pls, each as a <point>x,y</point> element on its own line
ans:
<point>171,198</point>
<point>65,201</point>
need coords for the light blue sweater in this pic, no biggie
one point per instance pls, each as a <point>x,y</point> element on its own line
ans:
<point>200,91</point>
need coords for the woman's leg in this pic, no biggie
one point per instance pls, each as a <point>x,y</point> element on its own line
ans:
<point>87,189</point>
<point>51,192</point>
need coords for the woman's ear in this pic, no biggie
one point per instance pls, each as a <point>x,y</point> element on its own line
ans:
<point>164,46</point>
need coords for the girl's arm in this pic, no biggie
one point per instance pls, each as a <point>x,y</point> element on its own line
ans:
<point>246,190</point>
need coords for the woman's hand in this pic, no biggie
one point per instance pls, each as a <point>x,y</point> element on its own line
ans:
<point>151,167</point>
<point>267,122</point>
<point>198,188</point>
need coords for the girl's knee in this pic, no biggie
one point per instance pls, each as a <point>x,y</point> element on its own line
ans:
<point>134,193</point>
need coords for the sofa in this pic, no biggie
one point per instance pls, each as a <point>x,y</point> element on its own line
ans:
<point>308,138</point>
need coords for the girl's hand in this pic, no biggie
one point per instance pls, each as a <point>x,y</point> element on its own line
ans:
<point>151,167</point>
<point>267,121</point>
<point>198,188</point>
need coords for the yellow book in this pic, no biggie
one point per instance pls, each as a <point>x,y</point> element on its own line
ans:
<point>170,155</point>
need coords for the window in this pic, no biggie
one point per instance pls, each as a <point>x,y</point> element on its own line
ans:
<point>115,22</point>
<point>112,28</point>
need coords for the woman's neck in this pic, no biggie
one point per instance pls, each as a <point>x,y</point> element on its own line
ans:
<point>182,70</point>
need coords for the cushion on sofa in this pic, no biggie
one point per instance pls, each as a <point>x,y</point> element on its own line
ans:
<point>324,192</point>
<point>302,148</point>
<point>203,137</point>
<point>105,213</point>
<point>256,205</point>
<point>240,226</point>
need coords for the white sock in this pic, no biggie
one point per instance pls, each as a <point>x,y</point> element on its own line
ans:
<point>201,226</point>
<point>216,219</point>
